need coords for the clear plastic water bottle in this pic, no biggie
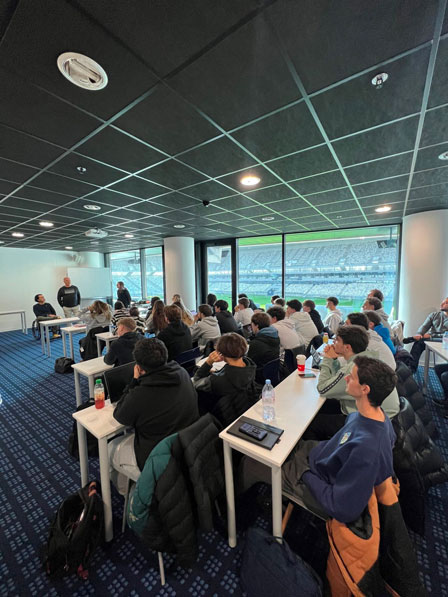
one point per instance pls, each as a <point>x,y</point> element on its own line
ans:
<point>268,401</point>
<point>445,341</point>
<point>99,394</point>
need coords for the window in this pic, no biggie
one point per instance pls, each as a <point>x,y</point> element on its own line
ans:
<point>125,267</point>
<point>342,263</point>
<point>154,272</point>
<point>260,268</point>
<point>219,271</point>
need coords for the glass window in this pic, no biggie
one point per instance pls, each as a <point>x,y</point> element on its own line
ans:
<point>154,272</point>
<point>342,263</point>
<point>260,268</point>
<point>125,267</point>
<point>219,271</point>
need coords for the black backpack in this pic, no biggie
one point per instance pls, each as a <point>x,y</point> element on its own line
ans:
<point>92,442</point>
<point>76,531</point>
<point>63,365</point>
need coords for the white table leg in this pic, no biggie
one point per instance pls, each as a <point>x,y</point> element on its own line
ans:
<point>63,343</point>
<point>108,341</point>
<point>72,352</point>
<point>47,329</point>
<point>426,369</point>
<point>91,386</point>
<point>83,454</point>
<point>77,389</point>
<point>105,489</point>
<point>276,501</point>
<point>98,346</point>
<point>230,494</point>
<point>42,337</point>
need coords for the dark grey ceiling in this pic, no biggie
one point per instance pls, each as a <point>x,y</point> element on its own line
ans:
<point>201,92</point>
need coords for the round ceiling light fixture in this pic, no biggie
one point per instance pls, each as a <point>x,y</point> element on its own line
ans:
<point>443,156</point>
<point>82,71</point>
<point>91,207</point>
<point>250,180</point>
<point>129,236</point>
<point>18,234</point>
<point>69,248</point>
<point>94,242</point>
<point>2,242</point>
<point>81,169</point>
<point>179,226</point>
<point>379,80</point>
<point>383,209</point>
<point>268,218</point>
<point>46,224</point>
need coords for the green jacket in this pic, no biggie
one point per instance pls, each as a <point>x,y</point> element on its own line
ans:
<point>332,385</point>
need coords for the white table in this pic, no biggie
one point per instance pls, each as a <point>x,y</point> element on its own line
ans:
<point>90,369</point>
<point>297,402</point>
<point>45,330</point>
<point>106,337</point>
<point>69,331</point>
<point>103,426</point>
<point>437,348</point>
<point>22,318</point>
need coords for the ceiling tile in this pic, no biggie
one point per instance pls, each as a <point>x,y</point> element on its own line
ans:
<point>175,201</point>
<point>427,158</point>
<point>218,157</point>
<point>96,173</point>
<point>387,185</point>
<point>138,187</point>
<point>236,202</point>
<point>15,172</point>
<point>430,177</point>
<point>383,168</point>
<point>234,180</point>
<point>439,85</point>
<point>319,182</point>
<point>305,163</point>
<point>62,184</point>
<point>7,187</point>
<point>208,191</point>
<point>26,149</point>
<point>435,128</point>
<point>330,196</point>
<point>269,194</point>
<point>172,174</point>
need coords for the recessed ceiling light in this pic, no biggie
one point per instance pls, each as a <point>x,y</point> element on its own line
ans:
<point>379,80</point>
<point>383,209</point>
<point>2,242</point>
<point>82,71</point>
<point>250,180</point>
<point>443,156</point>
<point>92,207</point>
<point>268,218</point>
<point>46,224</point>
<point>69,248</point>
<point>94,242</point>
<point>81,169</point>
<point>129,236</point>
<point>179,226</point>
<point>18,234</point>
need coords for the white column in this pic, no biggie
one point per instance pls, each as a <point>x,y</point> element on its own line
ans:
<point>424,267</point>
<point>90,259</point>
<point>180,269</point>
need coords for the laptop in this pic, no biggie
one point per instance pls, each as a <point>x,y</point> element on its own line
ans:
<point>117,379</point>
<point>317,358</point>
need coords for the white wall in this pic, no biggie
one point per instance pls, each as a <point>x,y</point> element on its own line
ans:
<point>26,272</point>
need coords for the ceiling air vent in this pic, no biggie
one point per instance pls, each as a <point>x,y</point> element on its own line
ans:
<point>82,71</point>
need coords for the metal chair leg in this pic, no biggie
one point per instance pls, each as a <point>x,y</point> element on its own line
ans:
<point>125,507</point>
<point>161,568</point>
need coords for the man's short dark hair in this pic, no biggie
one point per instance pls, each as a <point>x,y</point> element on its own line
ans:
<point>380,378</point>
<point>211,299</point>
<point>222,305</point>
<point>150,353</point>
<point>244,301</point>
<point>309,303</point>
<point>354,335</point>
<point>118,305</point>
<point>375,302</point>
<point>242,295</point>
<point>205,310</point>
<point>280,301</point>
<point>36,298</point>
<point>373,317</point>
<point>334,300</point>
<point>295,304</point>
<point>378,294</point>
<point>232,345</point>
<point>274,297</point>
<point>262,320</point>
<point>134,312</point>
<point>121,283</point>
<point>173,313</point>
<point>358,319</point>
<point>277,312</point>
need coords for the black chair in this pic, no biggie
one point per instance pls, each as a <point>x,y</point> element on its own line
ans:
<point>35,329</point>
<point>271,371</point>
<point>316,342</point>
<point>117,379</point>
<point>187,359</point>
<point>290,357</point>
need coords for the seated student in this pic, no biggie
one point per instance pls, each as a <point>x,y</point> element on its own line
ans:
<point>351,340</point>
<point>252,305</point>
<point>334,317</point>
<point>274,297</point>
<point>287,334</point>
<point>120,351</point>
<point>302,321</point>
<point>157,322</point>
<point>243,313</point>
<point>152,302</point>
<point>310,308</point>
<point>119,312</point>
<point>159,401</point>
<point>376,324</point>
<point>336,478</point>
<point>374,304</point>
<point>44,312</point>
<point>225,319</point>
<point>280,302</point>
<point>187,317</point>
<point>139,323</point>
<point>375,293</point>
<point>176,336</point>
<point>265,345</point>
<point>97,317</point>
<point>206,326</point>
<point>211,300</point>
<point>376,344</point>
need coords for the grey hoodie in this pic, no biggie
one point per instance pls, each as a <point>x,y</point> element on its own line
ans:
<point>95,321</point>
<point>333,320</point>
<point>204,330</point>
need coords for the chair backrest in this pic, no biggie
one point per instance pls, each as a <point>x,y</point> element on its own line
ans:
<point>187,359</point>
<point>316,342</point>
<point>117,379</point>
<point>247,330</point>
<point>271,371</point>
<point>290,356</point>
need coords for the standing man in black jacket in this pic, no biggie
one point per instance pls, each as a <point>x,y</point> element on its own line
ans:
<point>159,401</point>
<point>123,295</point>
<point>69,298</point>
<point>121,350</point>
<point>225,319</point>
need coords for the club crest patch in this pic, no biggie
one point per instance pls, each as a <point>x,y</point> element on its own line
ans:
<point>345,437</point>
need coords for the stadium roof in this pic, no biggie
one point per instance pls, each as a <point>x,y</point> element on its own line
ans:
<point>203,91</point>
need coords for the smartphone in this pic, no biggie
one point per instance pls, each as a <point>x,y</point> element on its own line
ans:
<point>306,375</point>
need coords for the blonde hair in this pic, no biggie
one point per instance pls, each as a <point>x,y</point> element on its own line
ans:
<point>187,317</point>
<point>100,308</point>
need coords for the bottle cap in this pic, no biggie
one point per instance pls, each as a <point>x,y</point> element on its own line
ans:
<point>98,381</point>
<point>268,381</point>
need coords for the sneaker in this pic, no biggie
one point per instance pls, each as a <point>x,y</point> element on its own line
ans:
<point>56,336</point>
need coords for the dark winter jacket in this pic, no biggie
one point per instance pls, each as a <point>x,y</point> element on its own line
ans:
<point>177,338</point>
<point>264,347</point>
<point>124,296</point>
<point>157,404</point>
<point>226,322</point>
<point>317,320</point>
<point>120,351</point>
<point>409,389</point>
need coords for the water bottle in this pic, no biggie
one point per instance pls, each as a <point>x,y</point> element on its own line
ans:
<point>445,341</point>
<point>98,394</point>
<point>268,401</point>
<point>111,329</point>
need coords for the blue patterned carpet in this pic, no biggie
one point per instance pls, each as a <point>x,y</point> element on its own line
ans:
<point>37,473</point>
